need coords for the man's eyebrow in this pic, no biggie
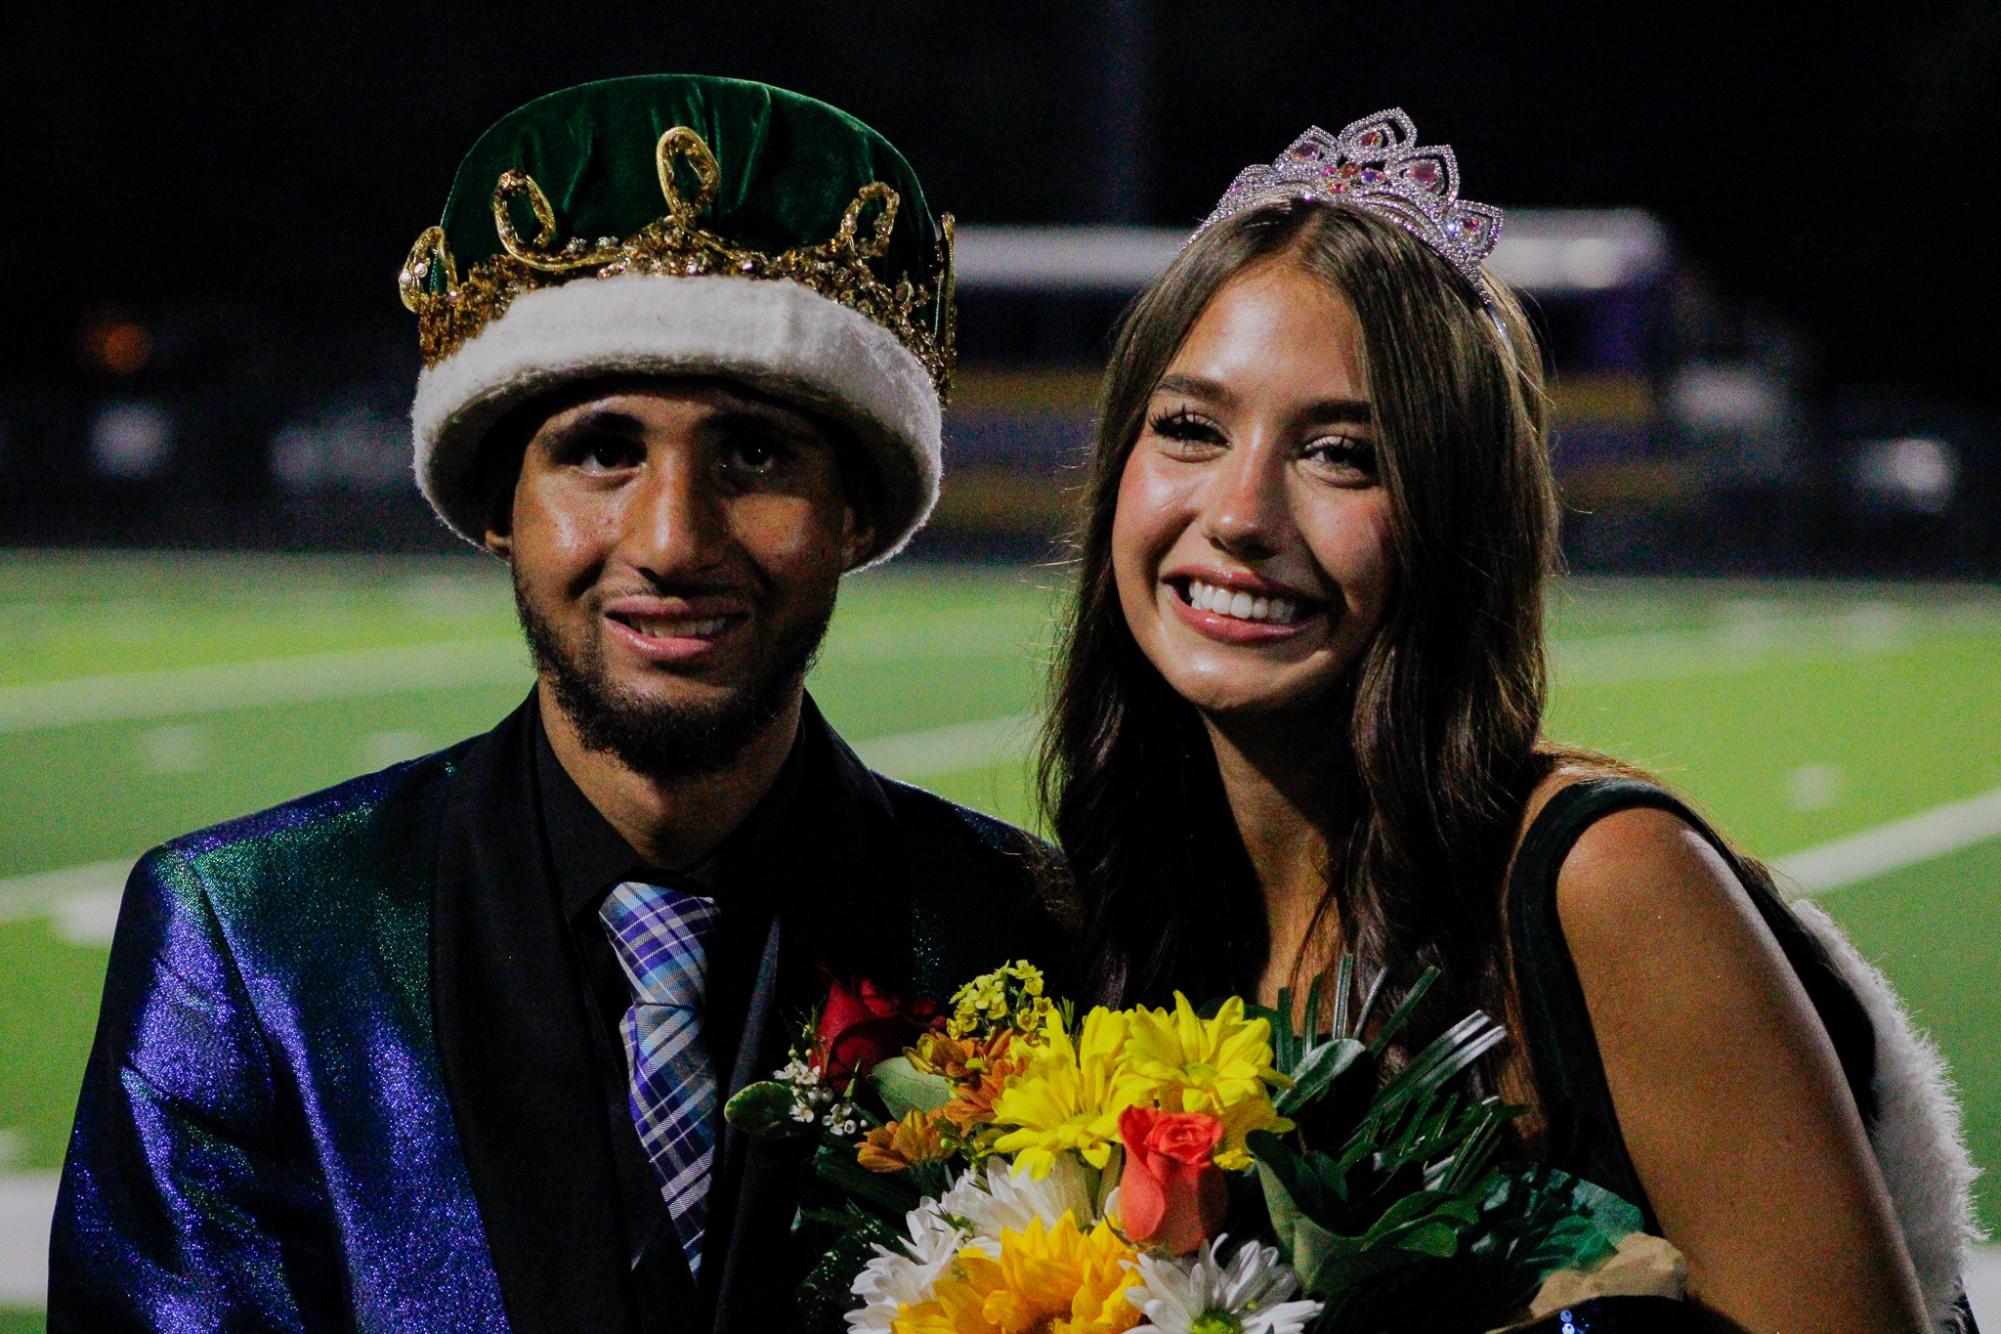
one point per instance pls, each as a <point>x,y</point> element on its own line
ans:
<point>733,412</point>
<point>595,422</point>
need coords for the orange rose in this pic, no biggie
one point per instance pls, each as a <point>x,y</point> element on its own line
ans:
<point>1171,1192</point>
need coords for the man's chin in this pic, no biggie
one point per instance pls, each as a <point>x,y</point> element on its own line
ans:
<point>670,724</point>
<point>676,738</point>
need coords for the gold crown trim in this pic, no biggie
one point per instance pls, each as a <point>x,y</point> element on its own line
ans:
<point>451,310</point>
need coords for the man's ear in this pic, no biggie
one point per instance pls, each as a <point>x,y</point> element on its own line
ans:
<point>499,539</point>
<point>857,535</point>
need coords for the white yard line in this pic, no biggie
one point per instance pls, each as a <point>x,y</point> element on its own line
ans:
<point>1983,1286</point>
<point>245,685</point>
<point>82,899</point>
<point>27,1205</point>
<point>950,749</point>
<point>1873,852</point>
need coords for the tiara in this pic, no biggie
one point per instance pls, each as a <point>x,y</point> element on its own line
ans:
<point>1377,164</point>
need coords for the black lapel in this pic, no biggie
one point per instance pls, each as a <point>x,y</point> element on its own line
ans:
<point>514,1042</point>
<point>844,905</point>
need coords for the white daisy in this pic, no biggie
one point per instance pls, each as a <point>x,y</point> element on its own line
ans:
<point>1001,1200</point>
<point>980,1205</point>
<point>897,1277</point>
<point>1198,1294</point>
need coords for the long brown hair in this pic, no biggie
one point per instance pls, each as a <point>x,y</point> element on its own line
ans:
<point>1446,704</point>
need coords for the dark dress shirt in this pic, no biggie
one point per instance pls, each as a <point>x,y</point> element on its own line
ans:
<point>587,859</point>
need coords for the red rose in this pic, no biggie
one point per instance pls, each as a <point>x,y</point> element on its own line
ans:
<point>1171,1192</point>
<point>862,1025</point>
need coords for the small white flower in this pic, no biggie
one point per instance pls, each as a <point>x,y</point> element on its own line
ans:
<point>1198,1294</point>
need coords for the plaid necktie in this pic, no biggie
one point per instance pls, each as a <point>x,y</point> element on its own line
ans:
<point>661,937</point>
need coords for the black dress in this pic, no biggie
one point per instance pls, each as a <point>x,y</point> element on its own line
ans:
<point>1582,1130</point>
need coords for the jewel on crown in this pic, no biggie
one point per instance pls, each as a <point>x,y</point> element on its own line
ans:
<point>1377,164</point>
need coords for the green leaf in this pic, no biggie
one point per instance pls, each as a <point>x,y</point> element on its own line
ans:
<point>1344,993</point>
<point>824,1296</point>
<point>1308,1246</point>
<point>764,1109</point>
<point>1318,1069</point>
<point>904,1088</point>
<point>835,1162</point>
<point>1309,1023</point>
<point>1387,1034</point>
<point>1537,1222</point>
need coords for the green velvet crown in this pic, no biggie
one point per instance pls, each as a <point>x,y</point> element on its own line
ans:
<point>674,174</point>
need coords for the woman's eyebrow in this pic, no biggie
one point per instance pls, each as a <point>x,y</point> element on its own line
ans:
<point>1338,410</point>
<point>1196,387</point>
<point>1325,410</point>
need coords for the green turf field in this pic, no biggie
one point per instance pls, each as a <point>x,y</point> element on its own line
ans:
<point>145,696</point>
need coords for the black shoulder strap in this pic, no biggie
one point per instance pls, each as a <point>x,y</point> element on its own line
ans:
<point>1583,1130</point>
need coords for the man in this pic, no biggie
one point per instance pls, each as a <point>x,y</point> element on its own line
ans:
<point>445,1047</point>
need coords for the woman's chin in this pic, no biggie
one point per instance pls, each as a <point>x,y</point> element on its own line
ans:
<point>1264,706</point>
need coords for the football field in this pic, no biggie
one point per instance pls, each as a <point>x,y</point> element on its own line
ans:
<point>1852,733</point>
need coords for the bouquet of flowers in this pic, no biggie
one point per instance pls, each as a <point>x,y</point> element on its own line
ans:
<point>1008,1164</point>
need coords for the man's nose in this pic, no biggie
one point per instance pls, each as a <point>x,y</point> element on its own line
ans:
<point>1245,507</point>
<point>676,525</point>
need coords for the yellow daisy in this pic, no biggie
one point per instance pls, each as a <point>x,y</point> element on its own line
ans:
<point>1221,1065</point>
<point>1070,1096</point>
<point>1057,1280</point>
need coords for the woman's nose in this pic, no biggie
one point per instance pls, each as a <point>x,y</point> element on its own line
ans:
<point>1245,508</point>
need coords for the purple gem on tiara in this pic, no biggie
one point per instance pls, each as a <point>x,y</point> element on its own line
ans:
<point>1373,139</point>
<point>1425,174</point>
<point>1370,176</point>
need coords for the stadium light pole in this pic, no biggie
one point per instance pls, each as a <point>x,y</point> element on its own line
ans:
<point>1118,186</point>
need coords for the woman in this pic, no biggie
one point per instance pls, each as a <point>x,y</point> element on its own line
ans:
<point>1303,687</point>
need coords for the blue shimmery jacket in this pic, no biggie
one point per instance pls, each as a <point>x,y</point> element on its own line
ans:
<point>278,1128</point>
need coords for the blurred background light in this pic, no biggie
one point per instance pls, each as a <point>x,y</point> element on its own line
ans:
<point>117,344</point>
<point>1916,473</point>
<point>131,441</point>
<point>352,447</point>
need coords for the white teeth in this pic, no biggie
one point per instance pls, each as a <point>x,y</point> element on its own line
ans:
<point>1241,606</point>
<point>661,628</point>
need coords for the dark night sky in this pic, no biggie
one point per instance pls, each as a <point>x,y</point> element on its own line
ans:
<point>1819,165</point>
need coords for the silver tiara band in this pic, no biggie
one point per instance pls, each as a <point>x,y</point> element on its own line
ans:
<point>1377,164</point>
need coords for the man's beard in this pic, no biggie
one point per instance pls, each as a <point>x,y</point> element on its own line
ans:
<point>671,741</point>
